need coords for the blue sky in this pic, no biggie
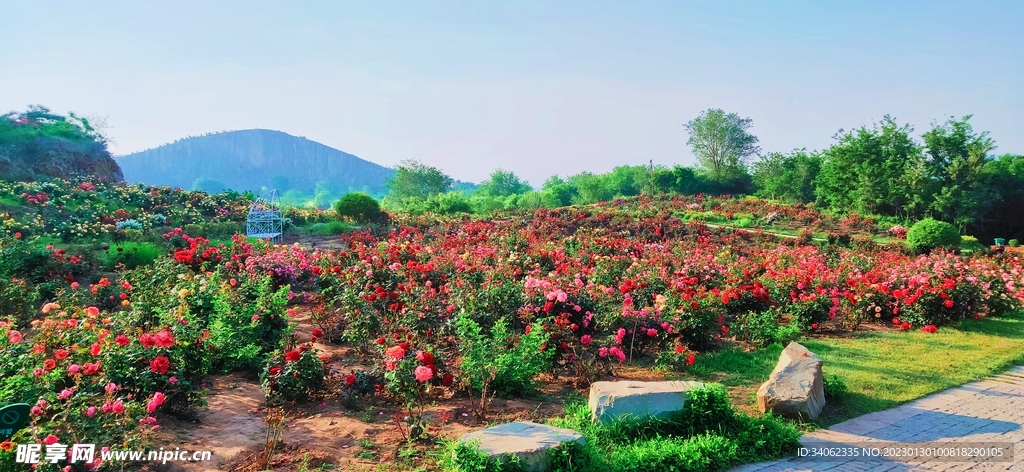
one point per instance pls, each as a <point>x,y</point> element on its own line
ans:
<point>538,88</point>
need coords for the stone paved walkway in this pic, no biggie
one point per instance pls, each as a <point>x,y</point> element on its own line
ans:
<point>990,411</point>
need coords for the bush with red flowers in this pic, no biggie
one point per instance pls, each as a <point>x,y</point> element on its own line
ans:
<point>294,374</point>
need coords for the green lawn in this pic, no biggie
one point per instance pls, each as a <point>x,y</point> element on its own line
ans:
<point>882,369</point>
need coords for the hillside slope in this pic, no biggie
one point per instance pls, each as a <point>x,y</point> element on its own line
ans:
<point>251,159</point>
<point>39,144</point>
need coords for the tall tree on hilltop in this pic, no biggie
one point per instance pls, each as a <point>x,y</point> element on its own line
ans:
<point>721,143</point>
<point>415,179</point>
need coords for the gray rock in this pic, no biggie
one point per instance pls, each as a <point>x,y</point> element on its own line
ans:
<point>609,400</point>
<point>530,441</point>
<point>796,388</point>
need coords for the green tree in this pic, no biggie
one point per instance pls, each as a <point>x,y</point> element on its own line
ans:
<point>955,157</point>
<point>1006,218</point>
<point>628,181</point>
<point>358,207</point>
<point>208,185</point>
<point>721,143</point>
<point>590,188</point>
<point>449,203</point>
<point>416,179</point>
<point>557,192</point>
<point>790,177</point>
<point>503,183</point>
<point>871,170</point>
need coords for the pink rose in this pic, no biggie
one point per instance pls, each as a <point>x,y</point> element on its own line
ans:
<point>423,373</point>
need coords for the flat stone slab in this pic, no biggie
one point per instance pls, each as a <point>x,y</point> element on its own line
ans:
<point>530,441</point>
<point>796,387</point>
<point>610,400</point>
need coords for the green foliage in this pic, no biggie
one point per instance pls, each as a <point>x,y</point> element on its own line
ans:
<point>970,244</point>
<point>247,325</point>
<point>38,143</point>
<point>1013,243</point>
<point>788,177</point>
<point>929,234</point>
<point>416,179</point>
<point>873,170</point>
<point>503,183</point>
<point>721,143</point>
<point>708,452</point>
<point>956,158</point>
<point>208,185</point>
<point>358,207</point>
<point>131,255</point>
<point>499,361</point>
<point>707,435</point>
<point>763,328</point>
<point>464,456</point>
<point>835,388</point>
<point>331,228</point>
<point>447,204</point>
<point>294,380</point>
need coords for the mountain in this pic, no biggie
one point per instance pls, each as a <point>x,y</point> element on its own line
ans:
<point>252,159</point>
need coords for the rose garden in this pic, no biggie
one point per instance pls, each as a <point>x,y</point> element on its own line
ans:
<point>128,309</point>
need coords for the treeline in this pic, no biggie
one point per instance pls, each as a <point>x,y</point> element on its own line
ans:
<point>418,188</point>
<point>949,174</point>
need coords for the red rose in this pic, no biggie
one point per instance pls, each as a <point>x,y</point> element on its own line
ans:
<point>425,357</point>
<point>164,338</point>
<point>292,356</point>
<point>679,348</point>
<point>60,354</point>
<point>447,380</point>
<point>159,365</point>
<point>350,380</point>
<point>691,359</point>
<point>275,370</point>
<point>122,340</point>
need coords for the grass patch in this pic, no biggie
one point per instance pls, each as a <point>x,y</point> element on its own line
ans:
<point>330,228</point>
<point>708,435</point>
<point>882,370</point>
<point>131,255</point>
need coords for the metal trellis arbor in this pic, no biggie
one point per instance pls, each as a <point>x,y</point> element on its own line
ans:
<point>265,220</point>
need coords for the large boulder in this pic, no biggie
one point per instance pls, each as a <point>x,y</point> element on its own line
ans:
<point>796,388</point>
<point>530,441</point>
<point>610,400</point>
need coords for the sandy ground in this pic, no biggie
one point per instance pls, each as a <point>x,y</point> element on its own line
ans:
<point>232,424</point>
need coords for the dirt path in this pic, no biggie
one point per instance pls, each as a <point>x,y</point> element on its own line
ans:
<point>968,420</point>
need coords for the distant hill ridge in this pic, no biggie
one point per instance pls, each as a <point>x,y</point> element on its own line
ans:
<point>252,159</point>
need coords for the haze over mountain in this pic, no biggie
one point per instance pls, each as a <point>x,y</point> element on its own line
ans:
<point>253,159</point>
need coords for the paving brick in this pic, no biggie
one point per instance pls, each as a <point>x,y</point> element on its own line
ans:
<point>990,410</point>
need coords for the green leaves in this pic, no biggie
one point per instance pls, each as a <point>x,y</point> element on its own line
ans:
<point>721,143</point>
